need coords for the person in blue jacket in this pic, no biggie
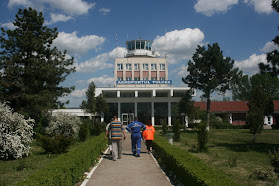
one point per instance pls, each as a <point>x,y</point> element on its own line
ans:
<point>136,128</point>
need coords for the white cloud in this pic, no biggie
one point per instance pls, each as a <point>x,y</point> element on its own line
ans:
<point>78,93</point>
<point>261,6</point>
<point>9,25</point>
<point>72,7</point>
<point>104,11</point>
<point>179,44</point>
<point>58,17</point>
<point>269,46</point>
<point>101,61</point>
<point>250,66</point>
<point>78,45</point>
<point>211,7</point>
<point>103,81</point>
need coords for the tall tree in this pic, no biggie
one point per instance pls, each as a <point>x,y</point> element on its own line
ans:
<point>210,71</point>
<point>94,104</point>
<point>260,105</point>
<point>186,105</point>
<point>273,56</point>
<point>268,83</point>
<point>31,69</point>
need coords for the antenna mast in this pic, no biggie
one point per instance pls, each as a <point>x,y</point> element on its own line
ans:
<point>116,46</point>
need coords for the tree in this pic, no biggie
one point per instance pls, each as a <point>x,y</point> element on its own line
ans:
<point>268,82</point>
<point>210,71</point>
<point>94,104</point>
<point>186,104</point>
<point>260,105</point>
<point>31,69</point>
<point>273,56</point>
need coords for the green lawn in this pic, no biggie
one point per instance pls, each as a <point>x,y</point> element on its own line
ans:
<point>232,152</point>
<point>12,171</point>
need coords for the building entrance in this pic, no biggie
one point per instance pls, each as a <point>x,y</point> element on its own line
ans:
<point>127,118</point>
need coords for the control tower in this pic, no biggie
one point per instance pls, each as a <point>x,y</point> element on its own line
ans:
<point>141,67</point>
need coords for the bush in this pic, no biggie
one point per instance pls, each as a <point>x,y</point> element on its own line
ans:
<point>164,126</point>
<point>64,124</point>
<point>98,128</point>
<point>186,168</point>
<point>16,134</point>
<point>176,130</point>
<point>56,143</point>
<point>202,136</point>
<point>83,132</point>
<point>274,159</point>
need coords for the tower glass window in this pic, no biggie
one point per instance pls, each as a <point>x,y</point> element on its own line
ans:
<point>145,66</point>
<point>153,66</point>
<point>137,44</point>
<point>136,67</point>
<point>128,66</point>
<point>162,67</point>
<point>119,67</point>
<point>142,45</point>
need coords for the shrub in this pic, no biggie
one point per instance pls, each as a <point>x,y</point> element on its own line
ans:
<point>98,128</point>
<point>83,132</point>
<point>56,143</point>
<point>274,159</point>
<point>164,126</point>
<point>176,130</point>
<point>64,124</point>
<point>202,136</point>
<point>16,134</point>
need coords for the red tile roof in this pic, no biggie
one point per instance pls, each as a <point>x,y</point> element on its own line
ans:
<point>229,106</point>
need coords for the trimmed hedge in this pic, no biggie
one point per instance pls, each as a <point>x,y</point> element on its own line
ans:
<point>68,168</point>
<point>188,169</point>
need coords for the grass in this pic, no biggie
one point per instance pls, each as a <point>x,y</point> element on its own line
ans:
<point>12,171</point>
<point>232,152</point>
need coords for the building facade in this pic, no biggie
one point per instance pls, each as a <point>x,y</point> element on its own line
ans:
<point>142,88</point>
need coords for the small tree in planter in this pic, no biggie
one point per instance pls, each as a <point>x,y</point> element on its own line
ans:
<point>165,127</point>
<point>176,130</point>
<point>202,136</point>
<point>16,134</point>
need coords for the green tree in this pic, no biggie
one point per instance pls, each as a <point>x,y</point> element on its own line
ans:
<point>186,104</point>
<point>260,105</point>
<point>210,71</point>
<point>94,104</point>
<point>269,84</point>
<point>31,69</point>
<point>273,56</point>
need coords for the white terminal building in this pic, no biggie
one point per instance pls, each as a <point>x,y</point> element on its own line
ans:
<point>142,87</point>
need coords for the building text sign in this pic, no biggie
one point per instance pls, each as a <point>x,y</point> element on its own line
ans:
<point>144,82</point>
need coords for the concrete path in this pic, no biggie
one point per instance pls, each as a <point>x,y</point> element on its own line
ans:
<point>129,170</point>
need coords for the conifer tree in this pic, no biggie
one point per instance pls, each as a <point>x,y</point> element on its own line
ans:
<point>31,69</point>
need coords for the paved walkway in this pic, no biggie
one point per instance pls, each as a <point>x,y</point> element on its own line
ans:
<point>129,170</point>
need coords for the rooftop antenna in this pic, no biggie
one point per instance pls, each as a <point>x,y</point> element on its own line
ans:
<point>165,44</point>
<point>139,36</point>
<point>116,45</point>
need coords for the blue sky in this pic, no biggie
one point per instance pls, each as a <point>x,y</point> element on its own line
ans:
<point>87,29</point>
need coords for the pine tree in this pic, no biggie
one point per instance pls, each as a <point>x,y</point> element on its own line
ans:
<point>31,69</point>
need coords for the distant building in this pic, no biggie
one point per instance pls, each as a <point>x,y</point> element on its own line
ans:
<point>142,86</point>
<point>235,112</point>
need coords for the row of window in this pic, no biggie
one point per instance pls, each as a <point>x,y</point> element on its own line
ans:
<point>132,45</point>
<point>145,66</point>
<point>138,79</point>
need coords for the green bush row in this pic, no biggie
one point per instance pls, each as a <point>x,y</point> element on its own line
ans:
<point>188,169</point>
<point>68,168</point>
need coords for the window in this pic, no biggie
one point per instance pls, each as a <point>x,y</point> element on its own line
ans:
<point>137,44</point>
<point>148,46</point>
<point>162,67</point>
<point>119,66</point>
<point>145,66</point>
<point>153,66</point>
<point>162,78</point>
<point>120,79</point>
<point>128,66</point>
<point>142,45</point>
<point>145,79</point>
<point>136,78</point>
<point>128,78</point>
<point>153,78</point>
<point>136,67</point>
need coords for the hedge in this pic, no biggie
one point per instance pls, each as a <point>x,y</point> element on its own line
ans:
<point>68,168</point>
<point>188,169</point>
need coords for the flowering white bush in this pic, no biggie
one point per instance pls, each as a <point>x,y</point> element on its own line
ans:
<point>64,124</point>
<point>15,133</point>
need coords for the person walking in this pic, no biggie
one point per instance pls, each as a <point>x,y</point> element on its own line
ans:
<point>108,136</point>
<point>148,135</point>
<point>136,128</point>
<point>117,133</point>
